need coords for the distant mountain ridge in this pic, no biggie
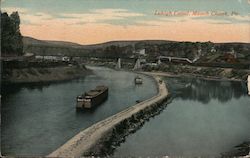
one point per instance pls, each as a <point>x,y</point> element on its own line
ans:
<point>125,49</point>
<point>32,41</point>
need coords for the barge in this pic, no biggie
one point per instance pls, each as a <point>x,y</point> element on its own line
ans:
<point>92,98</point>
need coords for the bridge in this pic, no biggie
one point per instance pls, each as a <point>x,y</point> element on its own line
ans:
<point>176,58</point>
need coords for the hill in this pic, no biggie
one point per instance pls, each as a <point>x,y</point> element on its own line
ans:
<point>32,41</point>
<point>208,51</point>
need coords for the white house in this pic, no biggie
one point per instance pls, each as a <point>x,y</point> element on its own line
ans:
<point>213,50</point>
<point>141,52</point>
<point>49,57</point>
<point>38,57</point>
<point>65,58</point>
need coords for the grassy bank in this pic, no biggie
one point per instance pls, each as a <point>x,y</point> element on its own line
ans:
<point>43,74</point>
<point>201,72</point>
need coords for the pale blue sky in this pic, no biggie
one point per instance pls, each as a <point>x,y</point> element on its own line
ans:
<point>147,7</point>
<point>110,17</point>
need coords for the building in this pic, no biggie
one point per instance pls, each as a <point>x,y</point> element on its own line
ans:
<point>213,50</point>
<point>141,52</point>
<point>52,58</point>
<point>65,58</point>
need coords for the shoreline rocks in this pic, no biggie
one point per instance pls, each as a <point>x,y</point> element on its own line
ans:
<point>117,135</point>
<point>240,150</point>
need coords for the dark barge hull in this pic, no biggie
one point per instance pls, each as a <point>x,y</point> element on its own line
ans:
<point>93,98</point>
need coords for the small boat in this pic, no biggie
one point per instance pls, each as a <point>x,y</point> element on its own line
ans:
<point>138,80</point>
<point>92,98</point>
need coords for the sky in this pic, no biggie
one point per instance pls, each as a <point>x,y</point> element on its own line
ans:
<point>97,21</point>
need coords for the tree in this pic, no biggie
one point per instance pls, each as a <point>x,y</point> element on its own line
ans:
<point>11,38</point>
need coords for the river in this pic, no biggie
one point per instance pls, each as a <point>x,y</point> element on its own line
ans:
<point>205,118</point>
<point>37,119</point>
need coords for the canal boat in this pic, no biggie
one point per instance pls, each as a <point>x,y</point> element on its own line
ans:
<point>138,80</point>
<point>92,98</point>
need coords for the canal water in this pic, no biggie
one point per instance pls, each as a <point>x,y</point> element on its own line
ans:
<point>205,118</point>
<point>37,119</point>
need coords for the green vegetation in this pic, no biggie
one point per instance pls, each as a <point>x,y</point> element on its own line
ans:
<point>11,38</point>
<point>196,71</point>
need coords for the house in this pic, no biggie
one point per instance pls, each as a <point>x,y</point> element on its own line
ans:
<point>141,52</point>
<point>49,57</point>
<point>213,50</point>
<point>65,58</point>
<point>39,57</point>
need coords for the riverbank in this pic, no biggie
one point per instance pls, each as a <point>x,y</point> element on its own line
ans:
<point>241,150</point>
<point>95,139</point>
<point>210,73</point>
<point>43,74</point>
<point>180,70</point>
<point>167,74</point>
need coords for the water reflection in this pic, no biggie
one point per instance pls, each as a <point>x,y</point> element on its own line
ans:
<point>186,128</point>
<point>8,89</point>
<point>202,91</point>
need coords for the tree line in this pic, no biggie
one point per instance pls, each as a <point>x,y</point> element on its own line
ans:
<point>11,38</point>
